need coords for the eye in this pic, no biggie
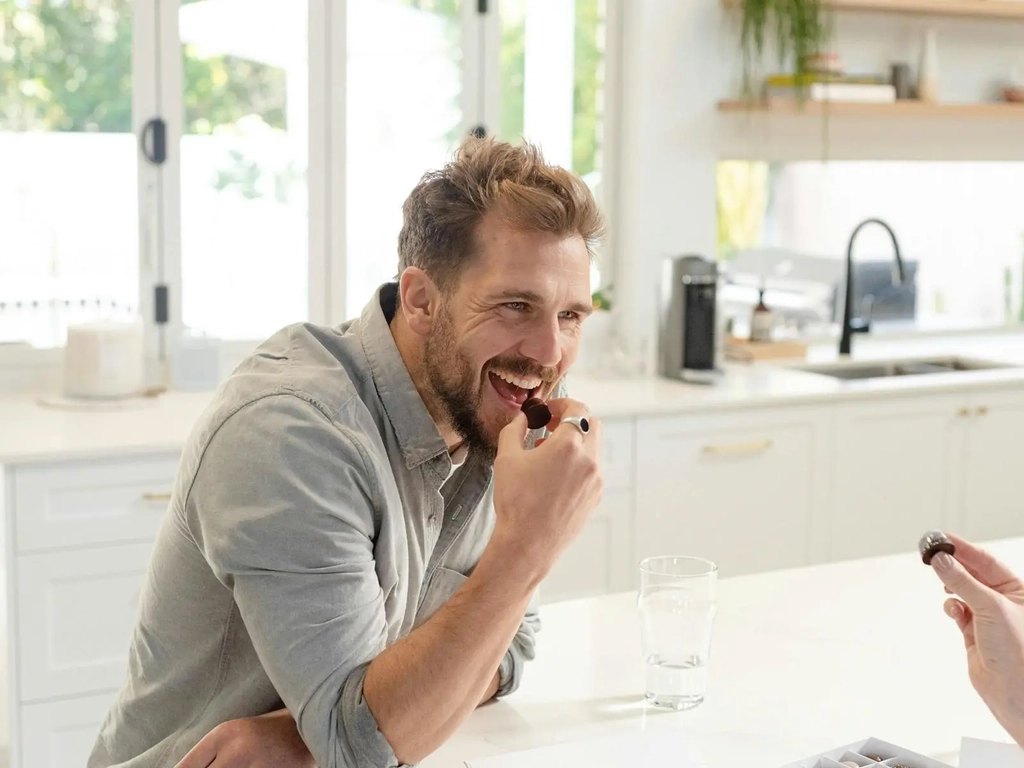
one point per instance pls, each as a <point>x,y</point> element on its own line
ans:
<point>570,315</point>
<point>517,306</point>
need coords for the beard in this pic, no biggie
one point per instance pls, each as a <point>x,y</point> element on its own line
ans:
<point>457,387</point>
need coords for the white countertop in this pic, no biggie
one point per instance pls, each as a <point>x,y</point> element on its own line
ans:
<point>32,432</point>
<point>802,661</point>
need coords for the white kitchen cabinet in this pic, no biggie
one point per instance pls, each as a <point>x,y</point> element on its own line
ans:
<point>745,489</point>
<point>78,536</point>
<point>992,505</point>
<point>600,560</point>
<point>76,612</point>
<point>895,471</point>
<point>79,503</point>
<point>61,734</point>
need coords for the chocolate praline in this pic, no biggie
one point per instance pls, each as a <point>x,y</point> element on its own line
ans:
<point>537,412</point>
<point>932,543</point>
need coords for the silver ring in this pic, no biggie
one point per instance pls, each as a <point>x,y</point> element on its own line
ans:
<point>582,423</point>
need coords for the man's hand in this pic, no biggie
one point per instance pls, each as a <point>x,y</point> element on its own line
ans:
<point>989,610</point>
<point>543,497</point>
<point>267,741</point>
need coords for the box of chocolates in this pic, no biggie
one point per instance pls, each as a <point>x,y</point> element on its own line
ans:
<point>869,752</point>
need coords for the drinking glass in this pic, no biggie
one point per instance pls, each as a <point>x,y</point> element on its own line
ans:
<point>677,604</point>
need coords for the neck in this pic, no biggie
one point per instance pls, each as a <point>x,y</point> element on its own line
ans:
<point>411,348</point>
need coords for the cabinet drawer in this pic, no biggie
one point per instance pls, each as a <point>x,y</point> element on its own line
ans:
<point>617,454</point>
<point>91,502</point>
<point>76,612</point>
<point>739,489</point>
<point>60,734</point>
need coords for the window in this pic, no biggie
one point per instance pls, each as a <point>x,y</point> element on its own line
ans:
<point>69,186</point>
<point>552,82</point>
<point>404,90</point>
<point>244,158</point>
<point>290,147</point>
<point>960,228</point>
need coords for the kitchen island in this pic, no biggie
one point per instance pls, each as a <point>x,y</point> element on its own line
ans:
<point>803,660</point>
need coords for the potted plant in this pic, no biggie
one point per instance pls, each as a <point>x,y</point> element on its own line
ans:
<point>800,29</point>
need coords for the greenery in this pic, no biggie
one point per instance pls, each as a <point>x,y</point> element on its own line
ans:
<point>588,55</point>
<point>67,67</point>
<point>800,29</point>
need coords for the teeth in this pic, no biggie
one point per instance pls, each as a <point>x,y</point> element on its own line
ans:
<point>517,381</point>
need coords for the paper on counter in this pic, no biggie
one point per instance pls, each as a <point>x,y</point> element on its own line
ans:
<point>976,753</point>
<point>659,747</point>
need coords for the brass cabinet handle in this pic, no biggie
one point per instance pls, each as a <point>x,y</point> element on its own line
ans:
<point>157,496</point>
<point>737,449</point>
<point>982,410</point>
<point>963,412</point>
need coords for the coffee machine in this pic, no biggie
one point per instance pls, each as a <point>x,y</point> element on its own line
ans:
<point>687,319</point>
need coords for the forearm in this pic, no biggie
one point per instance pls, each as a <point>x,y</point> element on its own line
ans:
<point>492,689</point>
<point>424,686</point>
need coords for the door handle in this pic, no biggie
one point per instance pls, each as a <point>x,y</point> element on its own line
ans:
<point>737,449</point>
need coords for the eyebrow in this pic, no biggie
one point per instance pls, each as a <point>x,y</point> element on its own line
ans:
<point>535,298</point>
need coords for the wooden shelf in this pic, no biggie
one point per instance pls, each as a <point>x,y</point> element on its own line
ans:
<point>907,108</point>
<point>981,9</point>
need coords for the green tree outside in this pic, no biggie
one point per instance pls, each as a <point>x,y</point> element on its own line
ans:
<point>67,67</point>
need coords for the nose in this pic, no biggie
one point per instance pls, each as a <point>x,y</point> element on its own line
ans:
<point>543,343</point>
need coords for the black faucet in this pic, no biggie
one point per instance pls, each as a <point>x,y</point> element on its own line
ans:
<point>852,325</point>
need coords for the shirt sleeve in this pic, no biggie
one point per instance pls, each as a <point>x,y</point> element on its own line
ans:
<point>522,649</point>
<point>282,507</point>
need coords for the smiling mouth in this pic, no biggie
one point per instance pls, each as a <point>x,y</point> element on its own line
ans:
<point>514,389</point>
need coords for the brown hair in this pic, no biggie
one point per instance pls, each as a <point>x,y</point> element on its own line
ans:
<point>442,213</point>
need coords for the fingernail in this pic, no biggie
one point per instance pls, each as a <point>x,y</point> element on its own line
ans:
<point>942,561</point>
<point>953,611</point>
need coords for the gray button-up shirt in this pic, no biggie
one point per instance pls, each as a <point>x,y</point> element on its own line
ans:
<point>315,521</point>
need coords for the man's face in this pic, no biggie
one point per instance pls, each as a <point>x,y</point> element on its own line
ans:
<point>509,330</point>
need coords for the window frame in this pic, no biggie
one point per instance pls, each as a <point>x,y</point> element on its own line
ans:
<point>157,91</point>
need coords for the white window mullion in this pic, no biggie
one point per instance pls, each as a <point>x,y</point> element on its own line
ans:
<point>335,123</point>
<point>473,54</point>
<point>145,106</point>
<point>490,67</point>
<point>172,109</point>
<point>326,259</point>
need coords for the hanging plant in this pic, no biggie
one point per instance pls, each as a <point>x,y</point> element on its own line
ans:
<point>801,29</point>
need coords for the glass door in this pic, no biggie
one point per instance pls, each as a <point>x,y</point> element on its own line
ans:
<point>244,194</point>
<point>69,184</point>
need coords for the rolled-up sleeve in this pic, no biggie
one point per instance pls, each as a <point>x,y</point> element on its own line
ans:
<point>282,506</point>
<point>522,649</point>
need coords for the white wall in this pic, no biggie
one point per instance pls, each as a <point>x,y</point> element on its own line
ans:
<point>682,56</point>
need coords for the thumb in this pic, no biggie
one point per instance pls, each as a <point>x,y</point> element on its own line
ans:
<point>513,435</point>
<point>962,584</point>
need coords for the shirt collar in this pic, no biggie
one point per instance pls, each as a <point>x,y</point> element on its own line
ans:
<point>417,433</point>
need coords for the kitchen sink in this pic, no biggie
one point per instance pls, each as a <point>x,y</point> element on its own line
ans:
<point>881,369</point>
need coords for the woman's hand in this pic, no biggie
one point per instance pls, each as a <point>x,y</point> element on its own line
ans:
<point>989,610</point>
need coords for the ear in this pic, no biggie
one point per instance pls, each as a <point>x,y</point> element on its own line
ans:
<point>420,299</point>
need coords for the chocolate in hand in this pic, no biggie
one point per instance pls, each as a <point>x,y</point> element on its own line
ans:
<point>537,413</point>
<point>932,543</point>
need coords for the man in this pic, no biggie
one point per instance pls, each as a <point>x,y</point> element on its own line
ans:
<point>361,518</point>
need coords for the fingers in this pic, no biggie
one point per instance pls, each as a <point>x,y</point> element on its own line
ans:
<point>564,406</point>
<point>976,595</point>
<point>982,564</point>
<point>202,754</point>
<point>513,435</point>
<point>961,614</point>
